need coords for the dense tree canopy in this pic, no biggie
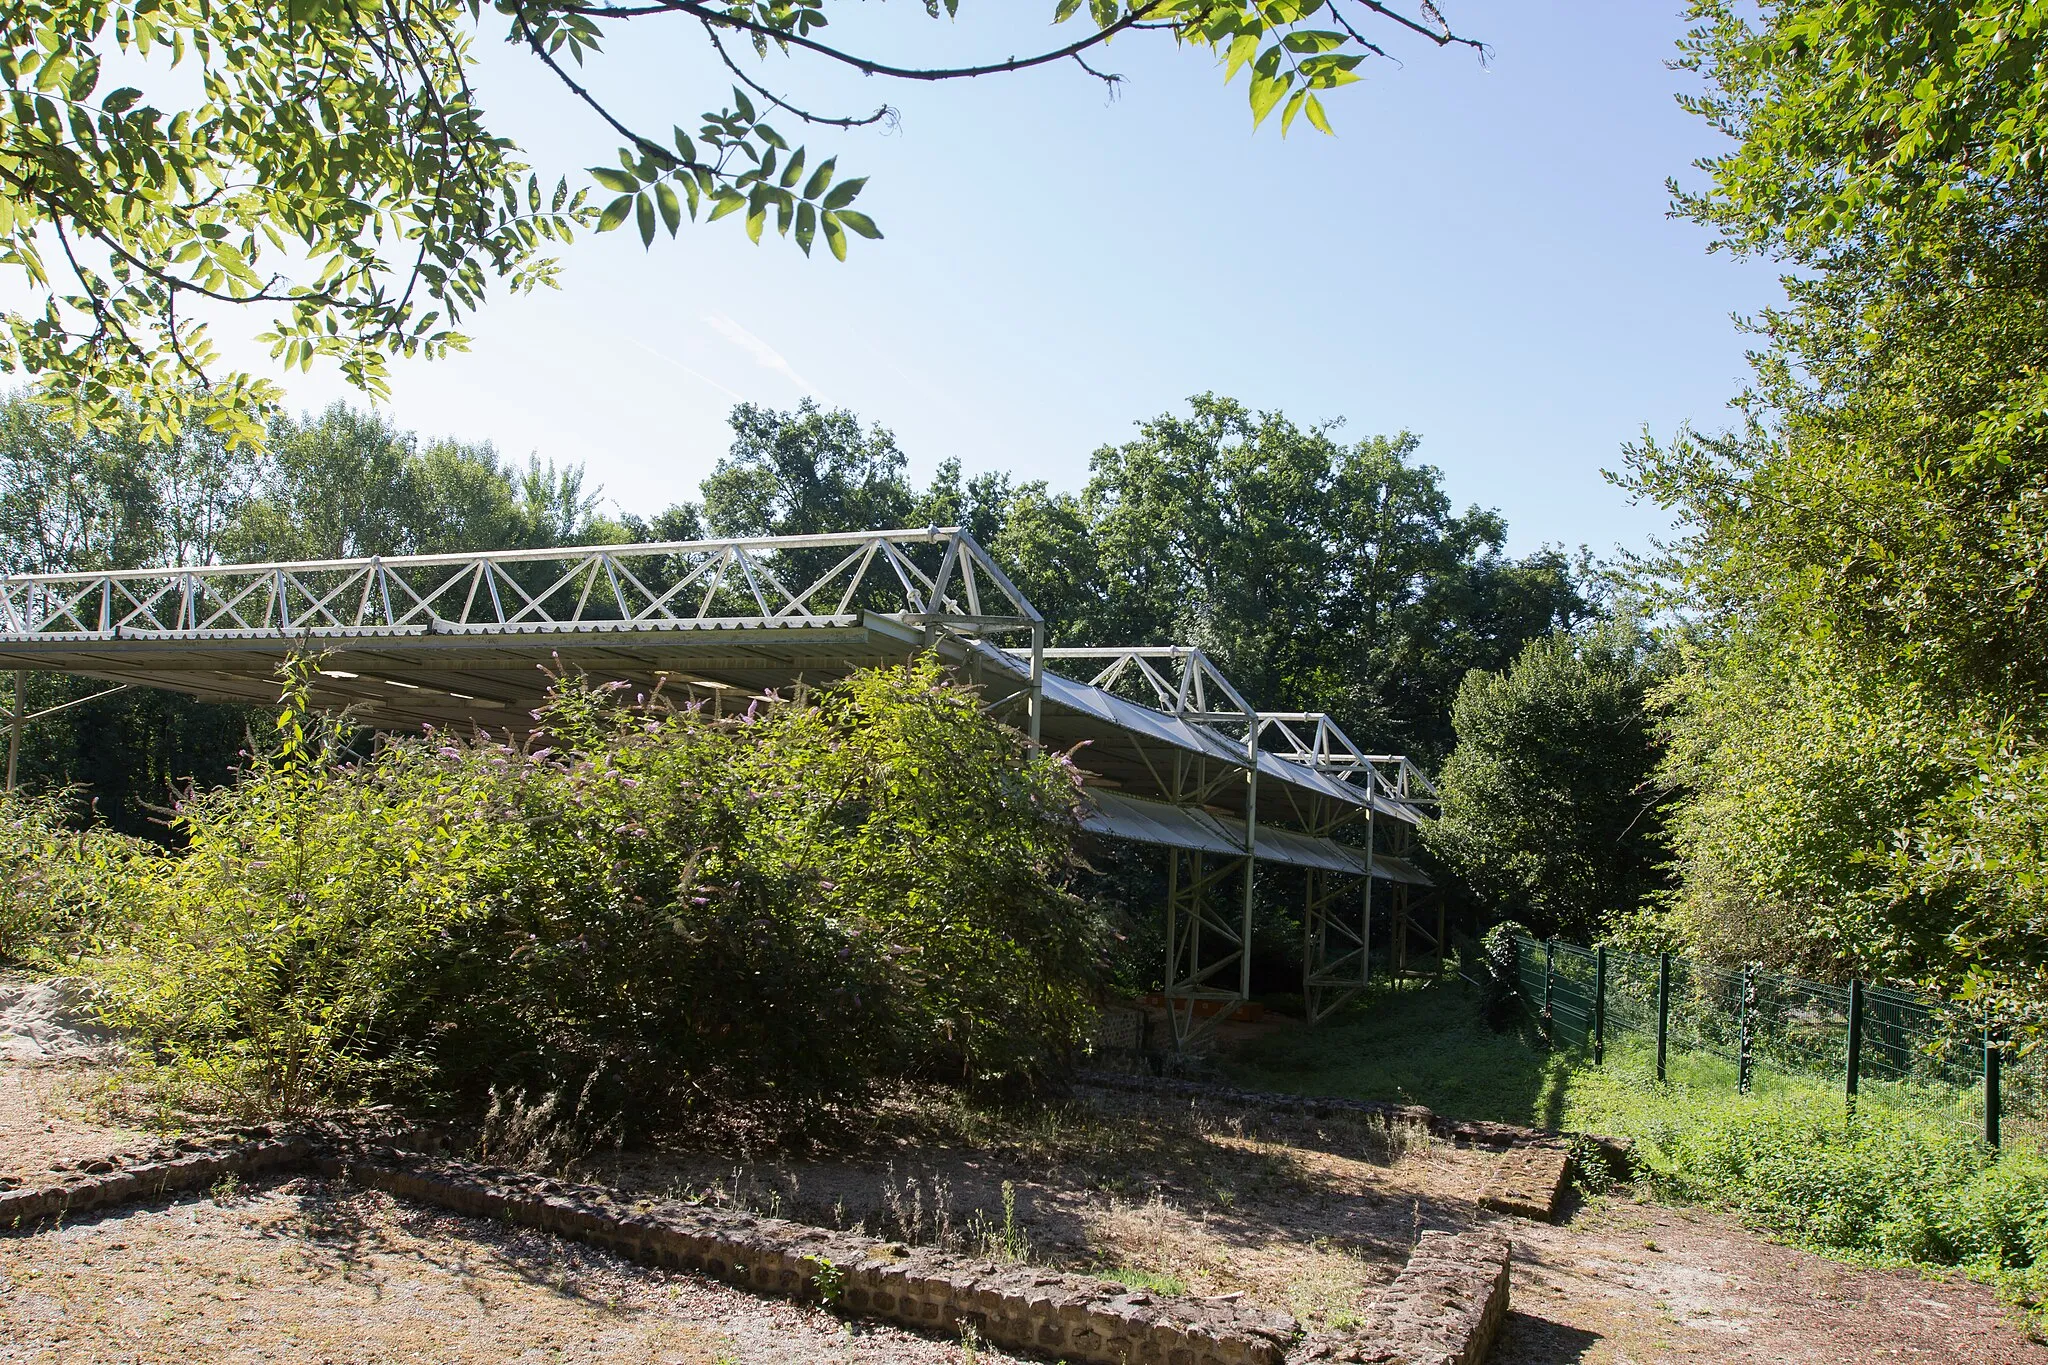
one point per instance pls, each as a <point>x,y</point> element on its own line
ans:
<point>1855,726</point>
<point>329,163</point>
<point>1550,812</point>
<point>1321,575</point>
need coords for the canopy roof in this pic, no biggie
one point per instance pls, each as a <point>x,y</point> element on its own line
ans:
<point>450,640</point>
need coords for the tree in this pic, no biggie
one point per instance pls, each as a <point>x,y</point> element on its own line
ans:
<point>349,484</point>
<point>335,169</point>
<point>1550,812</point>
<point>1322,576</point>
<point>342,483</point>
<point>1862,550</point>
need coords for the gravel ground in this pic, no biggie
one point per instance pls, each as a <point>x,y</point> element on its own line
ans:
<point>319,1274</point>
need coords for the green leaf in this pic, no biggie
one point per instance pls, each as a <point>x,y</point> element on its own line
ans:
<point>844,193</point>
<point>671,208</point>
<point>728,201</point>
<point>1293,108</point>
<point>1313,40</point>
<point>622,182</point>
<point>1314,110</point>
<point>820,178</point>
<point>806,225</point>
<point>1243,48</point>
<point>644,211</point>
<point>835,236</point>
<point>860,223</point>
<point>793,170</point>
<point>743,104</point>
<point>615,213</point>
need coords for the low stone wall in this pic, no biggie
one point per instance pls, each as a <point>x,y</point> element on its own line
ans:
<point>1444,1307</point>
<point>105,1182</point>
<point>1529,1182</point>
<point>1068,1316</point>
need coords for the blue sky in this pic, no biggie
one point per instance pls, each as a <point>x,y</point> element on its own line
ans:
<point>1481,256</point>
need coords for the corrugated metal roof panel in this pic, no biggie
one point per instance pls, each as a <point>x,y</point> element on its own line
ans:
<point>1117,816</point>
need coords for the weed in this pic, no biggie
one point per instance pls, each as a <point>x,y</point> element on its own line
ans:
<point>1006,1243</point>
<point>827,1280</point>
<point>1156,1282</point>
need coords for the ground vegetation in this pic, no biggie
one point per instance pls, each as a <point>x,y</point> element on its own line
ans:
<point>642,909</point>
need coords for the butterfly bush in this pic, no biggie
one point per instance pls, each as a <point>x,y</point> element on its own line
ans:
<point>707,912</point>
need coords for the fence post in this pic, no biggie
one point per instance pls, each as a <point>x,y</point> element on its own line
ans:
<point>1992,1097</point>
<point>1549,961</point>
<point>1855,1040</point>
<point>1742,1034</point>
<point>1599,1006</point>
<point>1663,1008</point>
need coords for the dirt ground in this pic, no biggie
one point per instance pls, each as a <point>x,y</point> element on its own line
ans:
<point>1307,1216</point>
<point>1310,1218</point>
<point>309,1273</point>
<point>1627,1283</point>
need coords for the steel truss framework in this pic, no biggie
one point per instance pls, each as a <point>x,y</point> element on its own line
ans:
<point>437,639</point>
<point>1183,682</point>
<point>664,599</point>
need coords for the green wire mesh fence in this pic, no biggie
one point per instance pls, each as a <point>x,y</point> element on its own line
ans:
<point>1758,1032</point>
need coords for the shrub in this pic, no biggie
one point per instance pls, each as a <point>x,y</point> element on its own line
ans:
<point>1499,962</point>
<point>660,910</point>
<point>58,885</point>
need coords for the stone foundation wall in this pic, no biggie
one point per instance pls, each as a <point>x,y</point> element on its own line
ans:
<point>1444,1307</point>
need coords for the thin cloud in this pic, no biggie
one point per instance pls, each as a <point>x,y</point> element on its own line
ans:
<point>766,356</point>
<point>697,375</point>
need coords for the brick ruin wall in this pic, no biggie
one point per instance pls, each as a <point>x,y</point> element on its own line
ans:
<point>1443,1309</point>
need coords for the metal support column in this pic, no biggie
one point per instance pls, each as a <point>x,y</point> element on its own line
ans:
<point>1855,1042</point>
<point>1372,825</point>
<point>1663,1009</point>
<point>17,714</point>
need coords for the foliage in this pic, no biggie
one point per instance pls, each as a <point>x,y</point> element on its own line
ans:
<point>1499,965</point>
<point>1864,548</point>
<point>1798,771</point>
<point>1896,1186</point>
<point>1548,808</point>
<point>274,961</point>
<point>1976,862</point>
<point>340,483</point>
<point>329,163</point>
<point>59,886</point>
<point>1322,576</point>
<point>663,910</point>
<point>1891,1186</point>
<point>1865,111</point>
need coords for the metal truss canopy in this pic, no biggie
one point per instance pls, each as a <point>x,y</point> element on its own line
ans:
<point>1174,753</point>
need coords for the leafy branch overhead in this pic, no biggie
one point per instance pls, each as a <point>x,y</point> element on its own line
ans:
<point>329,162</point>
